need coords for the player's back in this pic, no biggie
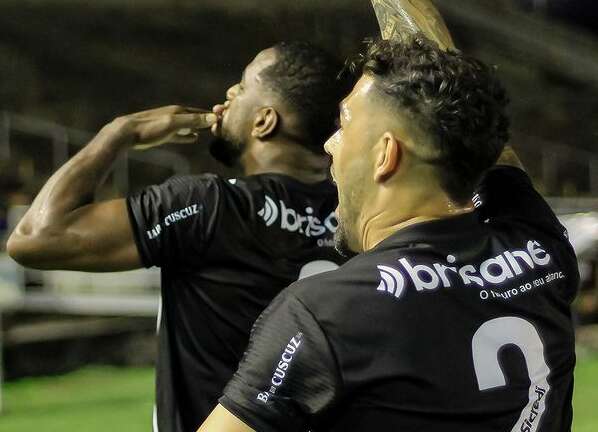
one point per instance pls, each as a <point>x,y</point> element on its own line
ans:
<point>460,324</point>
<point>227,247</point>
<point>471,327</point>
<point>470,331</point>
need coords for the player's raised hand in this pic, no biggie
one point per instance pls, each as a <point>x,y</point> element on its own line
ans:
<point>400,18</point>
<point>170,124</point>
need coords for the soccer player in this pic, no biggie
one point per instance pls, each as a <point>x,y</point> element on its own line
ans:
<point>225,247</point>
<point>449,319</point>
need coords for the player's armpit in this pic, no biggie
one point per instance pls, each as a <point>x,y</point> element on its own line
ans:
<point>94,237</point>
<point>222,420</point>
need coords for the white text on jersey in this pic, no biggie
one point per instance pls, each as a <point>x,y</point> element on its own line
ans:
<point>172,218</point>
<point>282,367</point>
<point>494,271</point>
<point>291,220</point>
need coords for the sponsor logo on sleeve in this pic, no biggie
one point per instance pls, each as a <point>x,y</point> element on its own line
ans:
<point>282,368</point>
<point>173,218</point>
<point>288,219</point>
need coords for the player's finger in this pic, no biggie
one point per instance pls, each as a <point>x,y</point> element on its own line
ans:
<point>184,139</point>
<point>195,110</point>
<point>218,109</point>
<point>193,121</point>
<point>169,109</point>
<point>185,132</point>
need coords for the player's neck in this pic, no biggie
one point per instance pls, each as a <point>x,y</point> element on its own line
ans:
<point>392,212</point>
<point>281,157</point>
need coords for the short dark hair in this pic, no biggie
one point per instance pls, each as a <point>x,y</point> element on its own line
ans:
<point>309,81</point>
<point>455,98</point>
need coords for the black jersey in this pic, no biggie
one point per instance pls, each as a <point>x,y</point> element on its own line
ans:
<point>226,248</point>
<point>459,325</point>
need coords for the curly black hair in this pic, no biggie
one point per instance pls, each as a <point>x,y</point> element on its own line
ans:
<point>456,99</point>
<point>309,80</point>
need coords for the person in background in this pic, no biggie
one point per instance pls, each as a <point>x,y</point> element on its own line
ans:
<point>226,247</point>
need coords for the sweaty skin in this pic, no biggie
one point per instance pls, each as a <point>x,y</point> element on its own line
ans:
<point>65,229</point>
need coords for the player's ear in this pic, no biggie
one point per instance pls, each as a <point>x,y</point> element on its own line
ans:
<point>265,123</point>
<point>388,157</point>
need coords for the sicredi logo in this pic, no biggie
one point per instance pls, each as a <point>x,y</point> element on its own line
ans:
<point>291,220</point>
<point>494,271</point>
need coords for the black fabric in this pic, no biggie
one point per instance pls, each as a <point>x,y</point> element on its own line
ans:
<point>461,324</point>
<point>226,249</point>
<point>302,376</point>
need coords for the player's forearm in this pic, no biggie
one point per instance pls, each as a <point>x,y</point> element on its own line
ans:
<point>63,229</point>
<point>46,222</point>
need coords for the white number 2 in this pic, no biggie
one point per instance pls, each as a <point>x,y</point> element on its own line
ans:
<point>486,345</point>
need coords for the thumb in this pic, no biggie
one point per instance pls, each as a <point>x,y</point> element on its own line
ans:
<point>205,120</point>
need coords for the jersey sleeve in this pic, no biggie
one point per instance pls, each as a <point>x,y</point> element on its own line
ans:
<point>174,221</point>
<point>288,375</point>
<point>508,192</point>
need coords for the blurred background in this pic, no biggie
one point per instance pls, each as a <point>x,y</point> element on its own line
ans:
<point>77,349</point>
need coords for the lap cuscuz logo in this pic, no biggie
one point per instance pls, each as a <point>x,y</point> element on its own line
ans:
<point>497,270</point>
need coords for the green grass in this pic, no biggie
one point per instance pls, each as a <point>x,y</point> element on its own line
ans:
<point>585,398</point>
<point>92,399</point>
<point>112,399</point>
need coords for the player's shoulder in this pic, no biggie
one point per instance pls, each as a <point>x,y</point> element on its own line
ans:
<point>256,185</point>
<point>506,175</point>
<point>230,188</point>
<point>193,181</point>
<point>352,282</point>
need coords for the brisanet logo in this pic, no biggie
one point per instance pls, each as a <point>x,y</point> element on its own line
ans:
<point>493,271</point>
<point>391,281</point>
<point>269,212</point>
<point>291,220</point>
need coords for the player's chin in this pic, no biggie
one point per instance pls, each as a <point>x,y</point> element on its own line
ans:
<point>341,242</point>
